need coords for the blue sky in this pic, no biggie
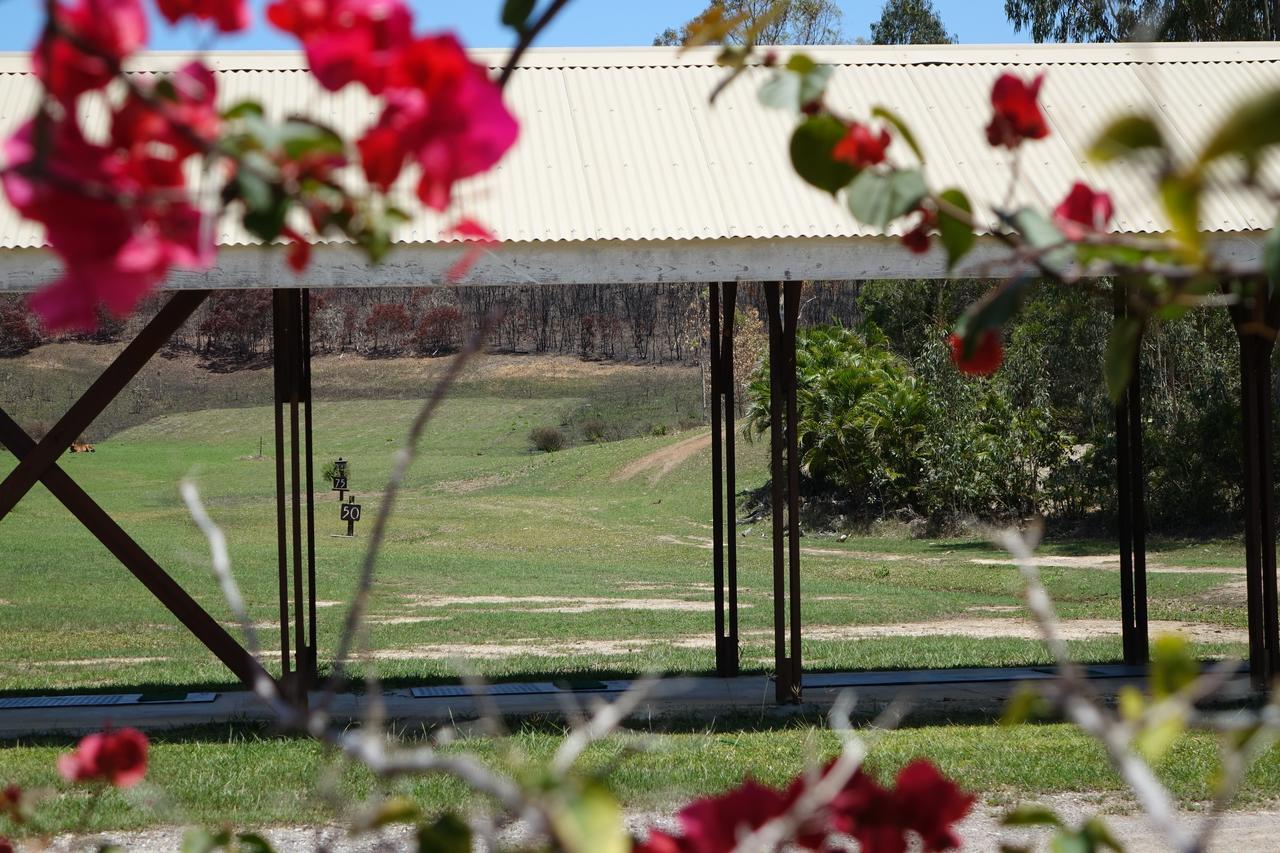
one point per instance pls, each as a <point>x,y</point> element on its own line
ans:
<point>583,23</point>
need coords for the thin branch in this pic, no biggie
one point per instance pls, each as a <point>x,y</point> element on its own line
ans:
<point>527,37</point>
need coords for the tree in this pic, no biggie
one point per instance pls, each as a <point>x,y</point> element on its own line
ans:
<point>1146,20</point>
<point>795,21</point>
<point>910,22</point>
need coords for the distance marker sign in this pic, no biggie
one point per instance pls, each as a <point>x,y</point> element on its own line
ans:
<point>350,513</point>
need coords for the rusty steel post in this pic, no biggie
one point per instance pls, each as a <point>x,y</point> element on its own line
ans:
<point>312,649</point>
<point>783,308</point>
<point>1252,323</point>
<point>279,352</point>
<point>717,475</point>
<point>729,302</point>
<point>723,512</point>
<point>791,316</point>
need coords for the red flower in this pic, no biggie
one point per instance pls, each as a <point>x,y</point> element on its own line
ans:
<point>986,357</point>
<point>657,842</point>
<point>113,29</point>
<point>229,15</point>
<point>118,219</point>
<point>189,101</point>
<point>860,147</point>
<point>715,824</point>
<point>1017,114</point>
<point>930,804</point>
<point>6,846</point>
<point>917,239</point>
<point>116,756</point>
<point>347,41</point>
<point>11,805</point>
<point>1082,211</point>
<point>445,113</point>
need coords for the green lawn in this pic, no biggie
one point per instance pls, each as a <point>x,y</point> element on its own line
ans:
<point>519,562</point>
<point>250,778</point>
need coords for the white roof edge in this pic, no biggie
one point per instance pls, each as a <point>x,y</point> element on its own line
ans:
<point>637,57</point>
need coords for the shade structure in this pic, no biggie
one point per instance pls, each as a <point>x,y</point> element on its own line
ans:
<point>626,172</point>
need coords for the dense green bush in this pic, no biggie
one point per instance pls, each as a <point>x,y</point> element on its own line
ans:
<point>889,426</point>
<point>548,439</point>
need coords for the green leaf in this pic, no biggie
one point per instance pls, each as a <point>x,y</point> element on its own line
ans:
<point>299,137</point>
<point>1025,704</point>
<point>899,125</point>
<point>956,235</point>
<point>1070,842</point>
<point>1271,256</point>
<point>1181,198</point>
<point>515,14</point>
<point>1131,703</point>
<point>992,311</point>
<point>1040,233</point>
<point>780,91</point>
<point>1173,666</point>
<point>1031,815</point>
<point>1126,136</point>
<point>242,110</point>
<point>200,840</point>
<point>389,811</point>
<point>1154,740</point>
<point>1099,834</point>
<point>252,842</point>
<point>878,198</point>
<point>811,145</point>
<point>447,835</point>
<point>1254,125</point>
<point>801,63</point>
<point>592,822</point>
<point>1118,362</point>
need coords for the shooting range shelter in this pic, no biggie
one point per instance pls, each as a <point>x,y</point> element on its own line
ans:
<point>625,174</point>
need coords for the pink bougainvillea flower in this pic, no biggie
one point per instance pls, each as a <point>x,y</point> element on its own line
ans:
<point>1017,111</point>
<point>718,823</point>
<point>478,236</point>
<point>382,156</point>
<point>358,43</point>
<point>444,112</point>
<point>229,15</point>
<point>12,804</point>
<point>116,756</point>
<point>1082,211</point>
<point>298,254</point>
<point>117,219</point>
<point>6,846</point>
<point>300,17</point>
<point>189,103</point>
<point>861,147</point>
<point>113,29</point>
<point>986,358</point>
<point>661,842</point>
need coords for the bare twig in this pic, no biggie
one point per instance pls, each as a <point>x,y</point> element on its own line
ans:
<point>527,37</point>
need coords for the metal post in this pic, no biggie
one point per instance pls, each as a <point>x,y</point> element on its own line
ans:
<point>729,302</point>
<point>791,314</point>
<point>1252,322</point>
<point>783,310</point>
<point>717,496</point>
<point>296,564</point>
<point>723,298</point>
<point>1131,508</point>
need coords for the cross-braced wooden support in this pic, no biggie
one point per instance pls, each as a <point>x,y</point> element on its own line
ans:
<point>295,530</point>
<point>723,487</point>
<point>783,306</point>
<point>1131,521</point>
<point>38,463</point>
<point>1256,321</point>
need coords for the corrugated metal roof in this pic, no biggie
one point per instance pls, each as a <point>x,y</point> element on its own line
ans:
<point>622,144</point>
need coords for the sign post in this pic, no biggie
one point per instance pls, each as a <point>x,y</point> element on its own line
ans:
<point>350,513</point>
<point>340,477</point>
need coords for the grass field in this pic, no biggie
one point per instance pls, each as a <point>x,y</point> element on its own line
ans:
<point>506,561</point>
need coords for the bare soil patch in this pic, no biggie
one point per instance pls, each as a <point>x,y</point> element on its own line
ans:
<point>560,604</point>
<point>662,461</point>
